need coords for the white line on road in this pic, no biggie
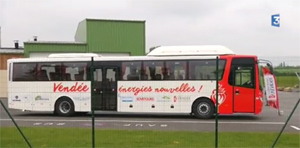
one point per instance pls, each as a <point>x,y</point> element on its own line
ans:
<point>295,127</point>
<point>145,121</point>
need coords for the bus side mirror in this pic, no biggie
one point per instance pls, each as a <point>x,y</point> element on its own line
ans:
<point>271,68</point>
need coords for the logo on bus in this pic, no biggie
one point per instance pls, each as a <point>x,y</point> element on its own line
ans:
<point>81,98</point>
<point>181,99</point>
<point>74,88</point>
<point>221,95</point>
<point>41,98</point>
<point>164,99</point>
<point>126,98</point>
<point>16,98</point>
<point>144,99</point>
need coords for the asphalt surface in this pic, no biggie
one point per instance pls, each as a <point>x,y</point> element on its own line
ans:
<point>267,121</point>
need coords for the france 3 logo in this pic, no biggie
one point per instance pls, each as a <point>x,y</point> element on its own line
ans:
<point>275,20</point>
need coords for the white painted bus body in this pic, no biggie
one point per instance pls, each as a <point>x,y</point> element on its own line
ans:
<point>40,96</point>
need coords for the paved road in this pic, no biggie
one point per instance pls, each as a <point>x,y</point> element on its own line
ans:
<point>267,121</point>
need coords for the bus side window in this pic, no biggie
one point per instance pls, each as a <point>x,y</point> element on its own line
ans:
<point>75,71</point>
<point>206,69</point>
<point>131,70</point>
<point>49,72</point>
<point>242,76</point>
<point>175,70</point>
<point>154,70</point>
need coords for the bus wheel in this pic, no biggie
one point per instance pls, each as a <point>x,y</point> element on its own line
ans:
<point>64,107</point>
<point>203,109</point>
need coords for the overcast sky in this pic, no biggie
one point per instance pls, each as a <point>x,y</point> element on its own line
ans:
<point>242,25</point>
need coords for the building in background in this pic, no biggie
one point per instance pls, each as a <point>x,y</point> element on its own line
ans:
<point>105,37</point>
<point>5,54</point>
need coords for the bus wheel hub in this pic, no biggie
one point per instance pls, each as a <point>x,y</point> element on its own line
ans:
<point>65,107</point>
<point>203,108</point>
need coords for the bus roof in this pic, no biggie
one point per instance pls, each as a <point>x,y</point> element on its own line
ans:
<point>118,58</point>
<point>202,50</point>
<point>72,55</point>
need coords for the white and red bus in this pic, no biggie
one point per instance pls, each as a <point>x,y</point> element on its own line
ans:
<point>169,79</point>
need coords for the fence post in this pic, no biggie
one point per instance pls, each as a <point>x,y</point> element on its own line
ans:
<point>217,102</point>
<point>20,131</point>
<point>288,119</point>
<point>92,101</point>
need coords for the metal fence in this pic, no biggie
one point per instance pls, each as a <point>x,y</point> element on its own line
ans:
<point>143,130</point>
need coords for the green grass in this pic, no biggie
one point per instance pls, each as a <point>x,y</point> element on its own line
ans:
<point>74,137</point>
<point>287,81</point>
<point>288,70</point>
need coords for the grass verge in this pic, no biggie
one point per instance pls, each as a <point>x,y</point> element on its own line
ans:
<point>79,137</point>
<point>287,81</point>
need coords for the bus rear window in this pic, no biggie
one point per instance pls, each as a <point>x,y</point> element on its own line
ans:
<point>24,72</point>
<point>9,72</point>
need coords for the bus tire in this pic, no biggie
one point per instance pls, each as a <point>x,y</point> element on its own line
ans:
<point>203,108</point>
<point>64,107</point>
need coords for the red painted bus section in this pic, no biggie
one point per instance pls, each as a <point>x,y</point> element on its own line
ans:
<point>243,100</point>
<point>258,103</point>
<point>239,99</point>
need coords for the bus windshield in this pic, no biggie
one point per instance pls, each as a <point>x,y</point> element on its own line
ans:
<point>261,78</point>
